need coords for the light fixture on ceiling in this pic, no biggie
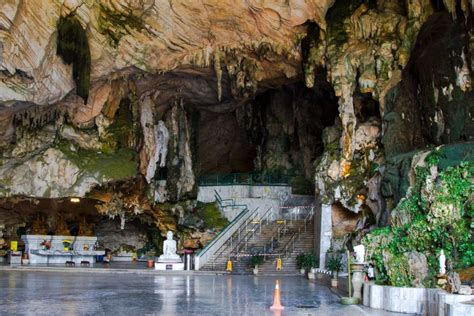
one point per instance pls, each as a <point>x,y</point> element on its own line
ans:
<point>75,200</point>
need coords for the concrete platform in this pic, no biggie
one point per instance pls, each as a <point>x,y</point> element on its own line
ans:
<point>174,266</point>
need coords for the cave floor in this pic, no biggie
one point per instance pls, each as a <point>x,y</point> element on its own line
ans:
<point>40,293</point>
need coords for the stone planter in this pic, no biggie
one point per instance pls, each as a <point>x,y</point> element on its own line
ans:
<point>25,261</point>
<point>334,282</point>
<point>302,271</point>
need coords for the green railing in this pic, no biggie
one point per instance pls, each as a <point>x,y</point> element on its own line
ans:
<point>253,178</point>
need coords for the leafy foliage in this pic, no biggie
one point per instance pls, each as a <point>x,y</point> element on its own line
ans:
<point>256,260</point>
<point>334,264</point>
<point>436,214</point>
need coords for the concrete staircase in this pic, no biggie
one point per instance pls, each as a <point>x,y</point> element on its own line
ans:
<point>274,239</point>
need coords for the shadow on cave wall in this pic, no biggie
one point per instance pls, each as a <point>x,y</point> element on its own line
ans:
<point>428,107</point>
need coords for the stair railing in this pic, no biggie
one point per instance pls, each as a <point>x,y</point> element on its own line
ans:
<point>250,232</point>
<point>216,243</point>
<point>290,245</point>
<point>235,237</point>
<point>308,218</point>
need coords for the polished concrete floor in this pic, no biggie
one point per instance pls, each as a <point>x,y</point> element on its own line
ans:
<point>49,293</point>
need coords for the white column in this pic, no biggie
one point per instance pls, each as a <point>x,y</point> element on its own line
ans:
<point>326,233</point>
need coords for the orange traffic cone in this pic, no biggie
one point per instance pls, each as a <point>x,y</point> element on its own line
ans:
<point>276,297</point>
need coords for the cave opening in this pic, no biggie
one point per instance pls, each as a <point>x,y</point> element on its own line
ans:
<point>279,131</point>
<point>72,216</point>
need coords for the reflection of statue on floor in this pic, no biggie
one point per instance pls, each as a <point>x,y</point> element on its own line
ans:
<point>169,250</point>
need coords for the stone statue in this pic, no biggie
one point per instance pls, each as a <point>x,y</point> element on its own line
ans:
<point>442,263</point>
<point>169,250</point>
<point>360,253</point>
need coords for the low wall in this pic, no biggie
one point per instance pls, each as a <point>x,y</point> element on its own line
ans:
<point>414,300</point>
<point>206,193</point>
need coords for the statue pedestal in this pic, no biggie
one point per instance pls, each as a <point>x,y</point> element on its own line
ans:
<point>176,266</point>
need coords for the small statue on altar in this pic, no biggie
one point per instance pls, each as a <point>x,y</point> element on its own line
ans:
<point>370,272</point>
<point>39,226</point>
<point>61,227</point>
<point>45,245</point>
<point>85,229</point>
<point>169,250</point>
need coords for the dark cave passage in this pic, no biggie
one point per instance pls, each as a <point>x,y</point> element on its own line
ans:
<point>279,131</point>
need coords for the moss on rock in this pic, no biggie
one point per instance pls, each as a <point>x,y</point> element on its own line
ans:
<point>212,216</point>
<point>116,165</point>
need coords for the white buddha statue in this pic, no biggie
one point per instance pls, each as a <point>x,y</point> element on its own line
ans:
<point>169,250</point>
<point>360,253</point>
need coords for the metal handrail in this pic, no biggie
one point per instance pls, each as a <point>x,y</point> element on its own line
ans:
<point>290,244</point>
<point>254,178</point>
<point>224,230</point>
<point>246,238</point>
<point>296,236</point>
<point>221,249</point>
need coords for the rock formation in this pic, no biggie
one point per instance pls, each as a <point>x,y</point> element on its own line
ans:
<point>126,104</point>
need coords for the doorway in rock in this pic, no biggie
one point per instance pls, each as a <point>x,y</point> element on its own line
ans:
<point>278,132</point>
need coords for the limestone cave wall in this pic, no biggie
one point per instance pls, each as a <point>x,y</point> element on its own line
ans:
<point>125,104</point>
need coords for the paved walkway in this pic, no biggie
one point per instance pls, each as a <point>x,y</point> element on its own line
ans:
<point>60,293</point>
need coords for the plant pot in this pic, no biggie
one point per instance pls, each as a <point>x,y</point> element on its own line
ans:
<point>25,261</point>
<point>255,270</point>
<point>302,271</point>
<point>150,263</point>
<point>334,283</point>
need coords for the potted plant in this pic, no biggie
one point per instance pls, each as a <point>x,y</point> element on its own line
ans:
<point>255,261</point>
<point>334,265</point>
<point>25,259</point>
<point>310,262</point>
<point>300,259</point>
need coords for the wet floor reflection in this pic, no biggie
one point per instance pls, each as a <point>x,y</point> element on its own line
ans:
<point>49,293</point>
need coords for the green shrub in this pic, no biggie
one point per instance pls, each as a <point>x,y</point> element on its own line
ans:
<point>256,260</point>
<point>334,264</point>
<point>434,215</point>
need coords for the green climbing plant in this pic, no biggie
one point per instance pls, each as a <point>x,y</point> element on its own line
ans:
<point>436,214</point>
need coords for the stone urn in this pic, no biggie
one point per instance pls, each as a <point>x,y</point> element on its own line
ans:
<point>357,279</point>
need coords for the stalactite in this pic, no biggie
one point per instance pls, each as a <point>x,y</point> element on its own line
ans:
<point>218,70</point>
